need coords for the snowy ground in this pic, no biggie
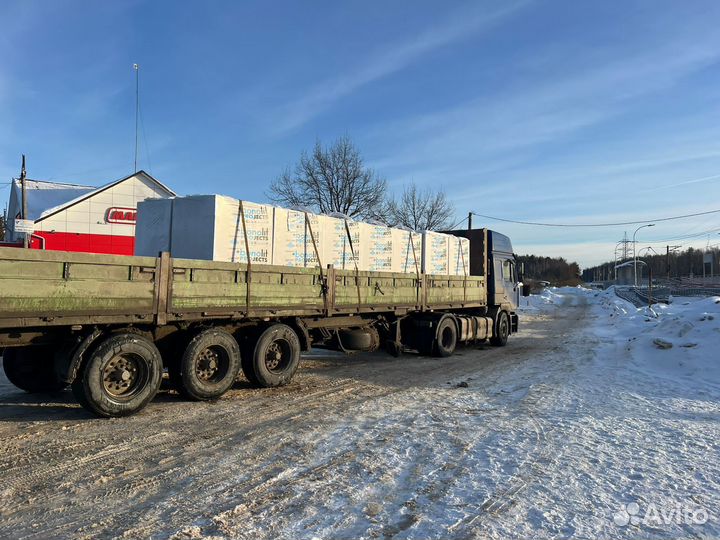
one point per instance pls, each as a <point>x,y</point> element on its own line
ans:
<point>581,427</point>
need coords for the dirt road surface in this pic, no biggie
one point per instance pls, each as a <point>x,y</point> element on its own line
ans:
<point>492,442</point>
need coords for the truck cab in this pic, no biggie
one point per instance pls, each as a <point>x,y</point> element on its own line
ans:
<point>491,255</point>
<point>503,282</point>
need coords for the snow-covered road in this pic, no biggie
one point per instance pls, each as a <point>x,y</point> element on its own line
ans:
<point>581,427</point>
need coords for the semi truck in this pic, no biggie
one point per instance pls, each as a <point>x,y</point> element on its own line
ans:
<point>113,326</point>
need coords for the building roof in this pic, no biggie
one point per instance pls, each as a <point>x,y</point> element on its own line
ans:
<point>42,195</point>
<point>45,199</point>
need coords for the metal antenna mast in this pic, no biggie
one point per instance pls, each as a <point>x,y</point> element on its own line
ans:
<point>137,109</point>
<point>23,193</point>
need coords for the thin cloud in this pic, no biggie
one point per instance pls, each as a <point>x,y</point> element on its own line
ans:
<point>550,109</point>
<point>393,59</point>
<point>686,182</point>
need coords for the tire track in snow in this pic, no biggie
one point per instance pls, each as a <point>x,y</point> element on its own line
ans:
<point>543,455</point>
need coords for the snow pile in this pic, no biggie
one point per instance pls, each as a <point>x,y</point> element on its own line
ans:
<point>553,297</point>
<point>544,302</point>
<point>678,339</point>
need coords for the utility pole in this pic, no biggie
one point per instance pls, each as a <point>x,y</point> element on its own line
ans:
<point>667,259</point>
<point>625,246</point>
<point>469,221</point>
<point>24,198</point>
<point>624,243</point>
<point>137,109</point>
<point>635,250</point>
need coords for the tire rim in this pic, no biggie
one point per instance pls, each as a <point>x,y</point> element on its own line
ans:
<point>504,328</point>
<point>124,375</point>
<point>278,356</point>
<point>212,364</point>
<point>446,338</point>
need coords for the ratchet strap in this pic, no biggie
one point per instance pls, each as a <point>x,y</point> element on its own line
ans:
<point>462,259</point>
<point>323,281</point>
<point>247,256</point>
<point>352,252</point>
<point>417,268</point>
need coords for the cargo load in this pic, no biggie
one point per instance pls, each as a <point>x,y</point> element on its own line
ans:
<point>212,227</point>
<point>435,254</point>
<point>376,247</point>
<point>343,242</point>
<point>208,227</point>
<point>458,255</point>
<point>293,241</point>
<point>408,251</point>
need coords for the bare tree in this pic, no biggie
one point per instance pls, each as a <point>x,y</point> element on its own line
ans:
<point>421,209</point>
<point>332,179</point>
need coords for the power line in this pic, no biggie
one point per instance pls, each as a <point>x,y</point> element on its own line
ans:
<point>537,224</point>
<point>689,236</point>
<point>456,224</point>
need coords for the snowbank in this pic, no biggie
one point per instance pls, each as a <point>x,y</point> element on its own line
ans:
<point>552,297</point>
<point>678,340</point>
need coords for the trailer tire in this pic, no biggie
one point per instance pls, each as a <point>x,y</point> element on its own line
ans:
<point>120,377</point>
<point>446,339</point>
<point>501,332</point>
<point>209,365</point>
<point>275,357</point>
<point>32,368</point>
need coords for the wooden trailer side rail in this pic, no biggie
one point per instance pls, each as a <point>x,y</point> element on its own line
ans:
<point>52,288</point>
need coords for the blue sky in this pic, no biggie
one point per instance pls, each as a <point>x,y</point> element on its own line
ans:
<point>561,111</point>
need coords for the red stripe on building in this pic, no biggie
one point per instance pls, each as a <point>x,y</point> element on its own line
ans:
<point>84,243</point>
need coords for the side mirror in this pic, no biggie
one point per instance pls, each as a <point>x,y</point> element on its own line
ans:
<point>526,290</point>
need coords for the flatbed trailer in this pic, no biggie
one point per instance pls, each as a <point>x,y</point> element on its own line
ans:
<point>110,325</point>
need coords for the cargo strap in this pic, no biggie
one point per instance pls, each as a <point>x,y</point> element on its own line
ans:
<point>352,252</point>
<point>417,268</point>
<point>462,259</point>
<point>247,256</point>
<point>323,280</point>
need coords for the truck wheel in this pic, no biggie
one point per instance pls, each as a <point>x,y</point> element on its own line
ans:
<point>120,377</point>
<point>32,368</point>
<point>446,338</point>
<point>501,330</point>
<point>275,358</point>
<point>209,365</point>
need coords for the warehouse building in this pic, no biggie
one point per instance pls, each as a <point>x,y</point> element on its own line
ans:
<point>71,217</point>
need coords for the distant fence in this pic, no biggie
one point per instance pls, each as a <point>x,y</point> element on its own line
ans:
<point>640,296</point>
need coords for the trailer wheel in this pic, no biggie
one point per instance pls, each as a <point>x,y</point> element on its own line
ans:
<point>446,338</point>
<point>32,368</point>
<point>209,365</point>
<point>120,377</point>
<point>501,330</point>
<point>275,358</point>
